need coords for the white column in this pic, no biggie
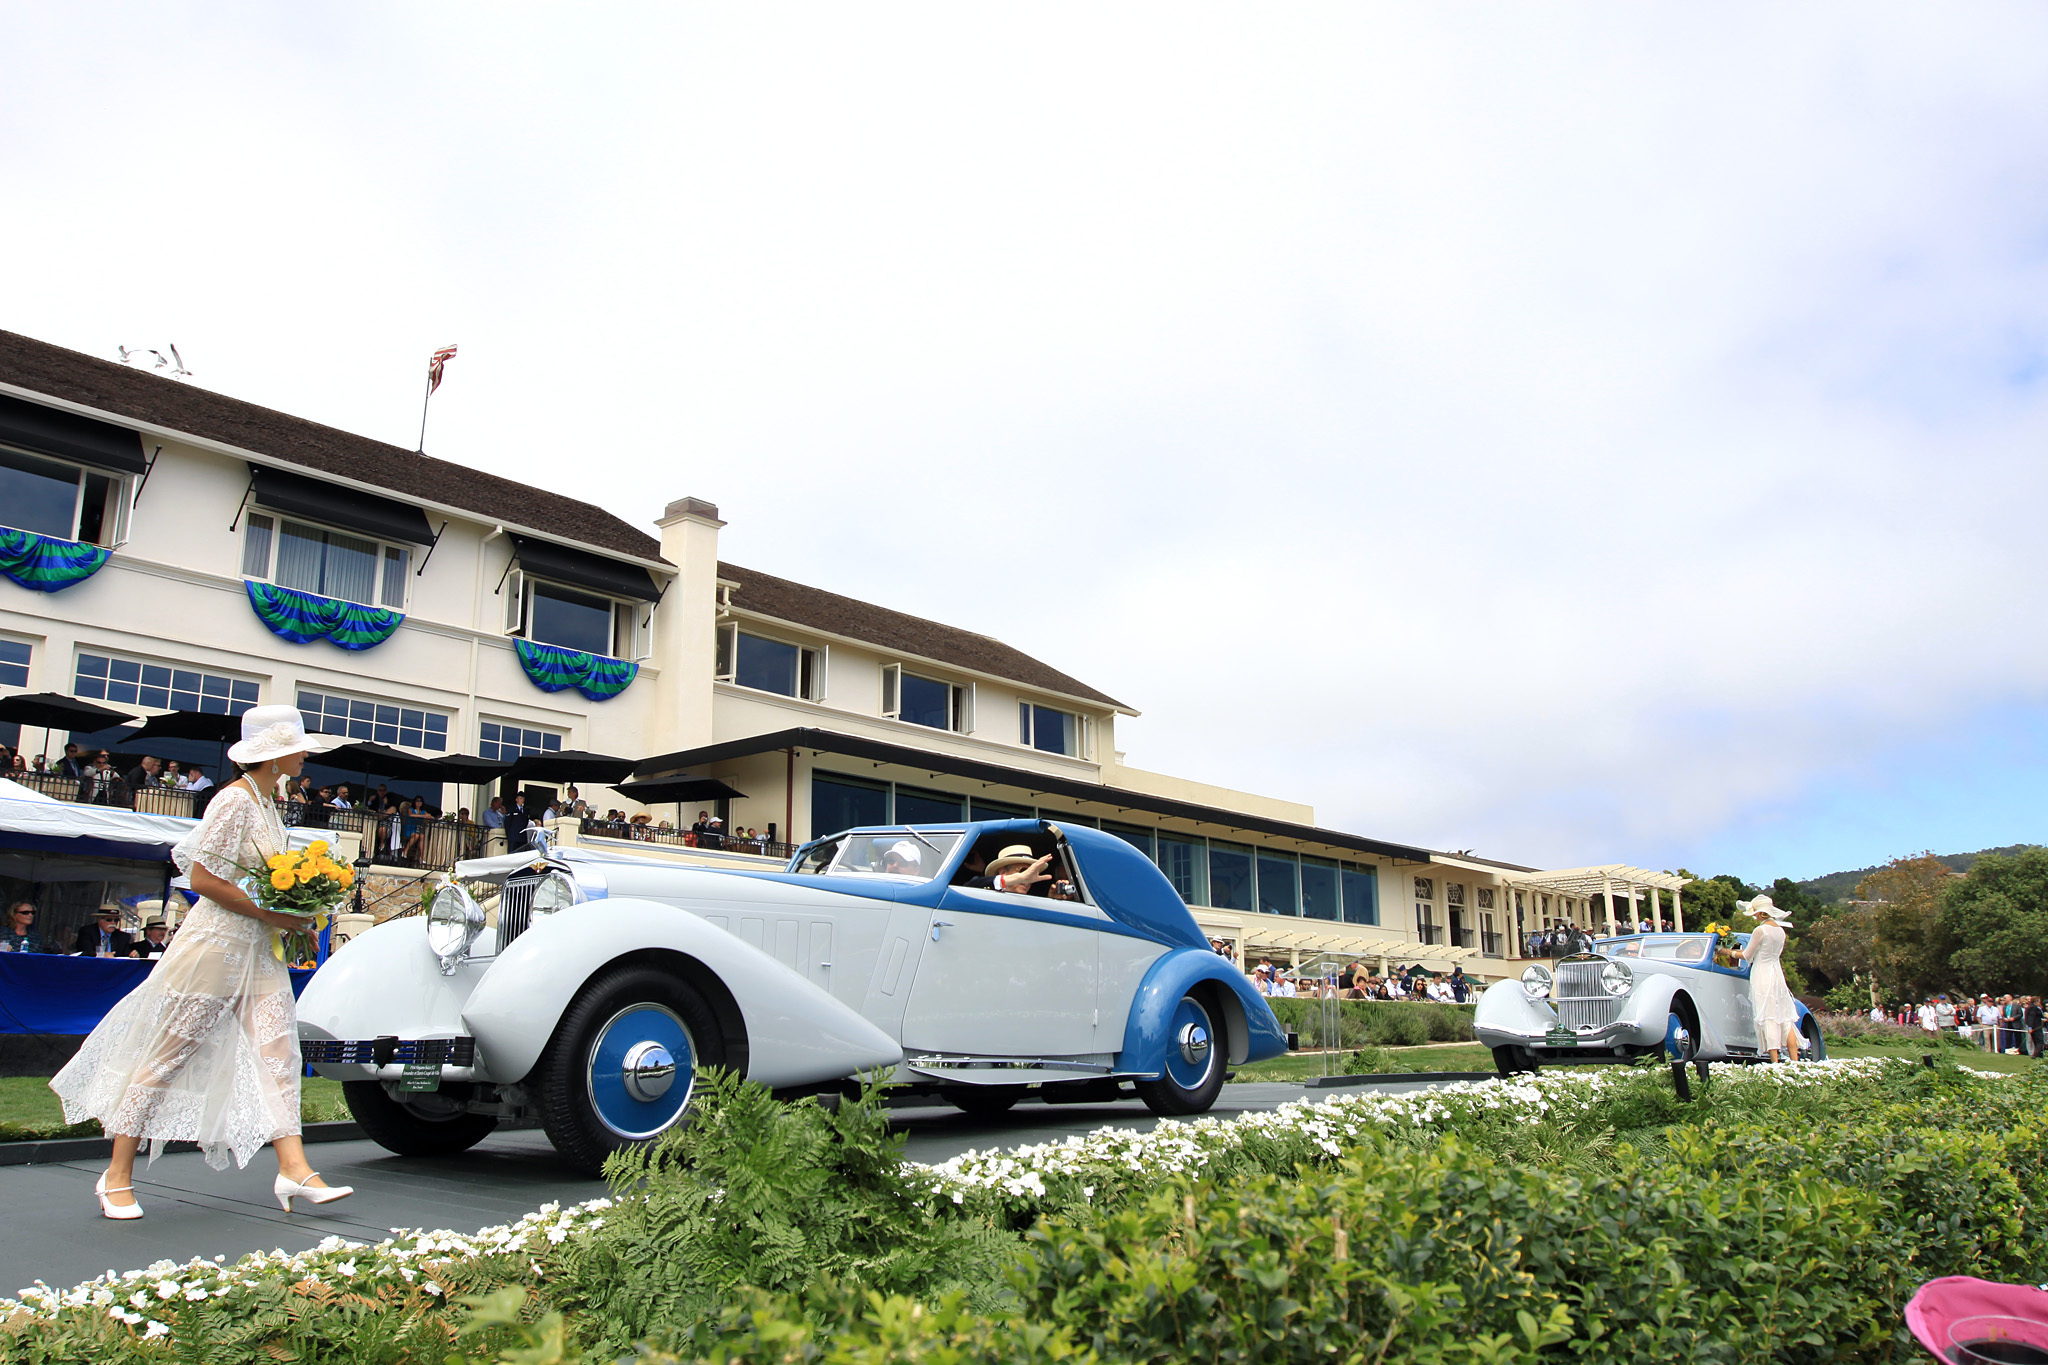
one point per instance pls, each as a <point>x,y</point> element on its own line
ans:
<point>1677,912</point>
<point>1607,895</point>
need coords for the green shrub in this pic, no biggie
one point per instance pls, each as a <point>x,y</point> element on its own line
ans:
<point>1397,1026</point>
<point>1371,1022</point>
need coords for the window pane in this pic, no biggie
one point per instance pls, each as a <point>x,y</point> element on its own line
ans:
<point>1278,894</point>
<point>769,665</point>
<point>351,572</point>
<point>92,666</point>
<point>301,550</point>
<point>1185,866</point>
<point>573,620</point>
<point>13,663</point>
<point>1052,731</point>
<point>998,810</point>
<point>156,675</point>
<point>551,742</point>
<point>915,807</point>
<point>395,561</point>
<point>841,803</point>
<point>1361,896</point>
<point>1230,877</point>
<point>1140,839</point>
<point>927,701</point>
<point>256,548</point>
<point>38,495</point>
<point>1319,888</point>
<point>1023,722</point>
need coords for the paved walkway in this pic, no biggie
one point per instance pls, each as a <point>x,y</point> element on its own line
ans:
<point>55,1233</point>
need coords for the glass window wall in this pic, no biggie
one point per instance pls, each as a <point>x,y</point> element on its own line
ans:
<point>38,495</point>
<point>133,682</point>
<point>1230,876</point>
<point>1319,888</point>
<point>13,663</point>
<point>767,665</point>
<point>1361,894</point>
<point>1185,863</point>
<point>1134,835</point>
<point>1279,893</point>
<point>917,807</point>
<point>839,802</point>
<point>570,619</point>
<point>926,701</point>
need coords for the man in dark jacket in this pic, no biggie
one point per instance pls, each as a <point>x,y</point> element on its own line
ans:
<point>103,937</point>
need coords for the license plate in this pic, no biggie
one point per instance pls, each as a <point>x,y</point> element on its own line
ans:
<point>1560,1037</point>
<point>420,1076</point>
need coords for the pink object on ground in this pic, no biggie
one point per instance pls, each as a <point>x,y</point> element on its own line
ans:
<point>1939,1304</point>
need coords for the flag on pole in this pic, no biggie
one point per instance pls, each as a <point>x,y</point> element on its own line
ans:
<point>440,358</point>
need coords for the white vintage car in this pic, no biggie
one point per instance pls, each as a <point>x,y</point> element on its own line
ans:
<point>1631,996</point>
<point>585,989</point>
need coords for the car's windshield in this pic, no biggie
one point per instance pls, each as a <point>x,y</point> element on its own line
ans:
<point>1681,948</point>
<point>915,855</point>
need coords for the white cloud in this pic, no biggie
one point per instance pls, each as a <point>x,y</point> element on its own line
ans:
<point>1575,434</point>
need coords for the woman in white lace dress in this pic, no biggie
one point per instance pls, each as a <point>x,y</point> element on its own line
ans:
<point>207,1049</point>
<point>1770,999</point>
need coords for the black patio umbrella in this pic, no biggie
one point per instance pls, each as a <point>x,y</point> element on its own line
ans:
<point>470,770</point>
<point>572,765</point>
<point>54,712</point>
<point>377,760</point>
<point>652,790</point>
<point>206,725</point>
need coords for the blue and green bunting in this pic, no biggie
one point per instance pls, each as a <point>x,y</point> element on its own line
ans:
<point>45,563</point>
<point>301,616</point>
<point>554,669</point>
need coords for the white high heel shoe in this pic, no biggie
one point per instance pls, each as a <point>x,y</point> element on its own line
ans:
<point>287,1189</point>
<point>108,1209</point>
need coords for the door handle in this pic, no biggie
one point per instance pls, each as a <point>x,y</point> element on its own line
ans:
<point>939,924</point>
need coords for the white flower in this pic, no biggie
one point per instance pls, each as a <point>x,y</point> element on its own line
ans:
<point>154,1330</point>
<point>431,1288</point>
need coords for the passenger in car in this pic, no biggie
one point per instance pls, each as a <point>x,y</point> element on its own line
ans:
<point>902,859</point>
<point>1014,870</point>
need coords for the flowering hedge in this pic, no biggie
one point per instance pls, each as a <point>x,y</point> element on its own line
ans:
<point>1943,1166</point>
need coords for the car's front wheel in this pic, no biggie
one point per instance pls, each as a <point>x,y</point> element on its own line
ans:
<point>1194,1063</point>
<point>622,1064</point>
<point>1811,1046</point>
<point>414,1129</point>
<point>1681,1034</point>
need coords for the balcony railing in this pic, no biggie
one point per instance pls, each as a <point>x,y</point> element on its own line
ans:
<point>1429,933</point>
<point>1490,944</point>
<point>1461,938</point>
<point>683,838</point>
<point>110,789</point>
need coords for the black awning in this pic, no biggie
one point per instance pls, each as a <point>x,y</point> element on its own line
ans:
<point>581,569</point>
<point>385,518</point>
<point>69,436</point>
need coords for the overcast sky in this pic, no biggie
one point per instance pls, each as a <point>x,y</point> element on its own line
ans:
<point>1576,433</point>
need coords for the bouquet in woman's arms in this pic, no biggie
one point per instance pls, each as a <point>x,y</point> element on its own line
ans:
<point>307,884</point>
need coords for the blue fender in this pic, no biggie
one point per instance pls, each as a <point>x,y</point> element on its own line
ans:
<point>1254,1034</point>
<point>1820,1043</point>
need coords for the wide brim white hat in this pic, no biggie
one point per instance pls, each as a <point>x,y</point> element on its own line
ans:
<point>1762,908</point>
<point>272,732</point>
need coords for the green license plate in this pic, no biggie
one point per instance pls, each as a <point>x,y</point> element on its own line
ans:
<point>1561,1037</point>
<point>420,1076</point>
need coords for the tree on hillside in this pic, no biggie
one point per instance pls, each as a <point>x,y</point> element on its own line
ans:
<point>1993,929</point>
<point>1804,908</point>
<point>1841,945</point>
<point>1710,898</point>
<point>1906,915</point>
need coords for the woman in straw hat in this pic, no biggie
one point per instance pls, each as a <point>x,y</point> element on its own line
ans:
<point>1770,999</point>
<point>207,1049</point>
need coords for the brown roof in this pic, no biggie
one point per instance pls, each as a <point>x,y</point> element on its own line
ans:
<point>122,391</point>
<point>892,630</point>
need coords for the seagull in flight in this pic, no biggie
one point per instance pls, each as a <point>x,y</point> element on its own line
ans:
<point>126,353</point>
<point>179,359</point>
<point>161,359</point>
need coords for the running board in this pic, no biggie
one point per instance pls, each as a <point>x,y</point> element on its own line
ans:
<point>1007,1070</point>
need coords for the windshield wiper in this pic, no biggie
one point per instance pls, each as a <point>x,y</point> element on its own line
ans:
<point>922,840</point>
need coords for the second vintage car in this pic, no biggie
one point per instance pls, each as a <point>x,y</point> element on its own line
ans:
<point>586,989</point>
<point>1634,995</point>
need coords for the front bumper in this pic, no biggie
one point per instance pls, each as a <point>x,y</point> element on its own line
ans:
<point>388,1058</point>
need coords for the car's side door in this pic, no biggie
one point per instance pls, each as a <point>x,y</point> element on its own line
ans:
<point>1004,975</point>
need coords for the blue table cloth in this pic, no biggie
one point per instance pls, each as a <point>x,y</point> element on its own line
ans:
<point>69,995</point>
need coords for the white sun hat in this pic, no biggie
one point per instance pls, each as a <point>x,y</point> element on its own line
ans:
<point>1762,908</point>
<point>272,732</point>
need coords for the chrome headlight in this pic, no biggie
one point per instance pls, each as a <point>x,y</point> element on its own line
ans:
<point>1616,979</point>
<point>1536,981</point>
<point>556,891</point>
<point>454,919</point>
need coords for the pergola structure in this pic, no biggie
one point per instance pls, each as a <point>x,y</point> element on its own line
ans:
<point>1308,943</point>
<point>1607,881</point>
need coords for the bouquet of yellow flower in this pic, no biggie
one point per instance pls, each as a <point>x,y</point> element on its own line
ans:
<point>1724,956</point>
<point>305,883</point>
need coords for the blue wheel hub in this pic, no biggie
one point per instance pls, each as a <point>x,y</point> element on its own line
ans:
<point>1679,1044</point>
<point>642,1070</point>
<point>1191,1045</point>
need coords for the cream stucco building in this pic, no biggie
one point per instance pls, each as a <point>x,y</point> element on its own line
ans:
<point>173,549</point>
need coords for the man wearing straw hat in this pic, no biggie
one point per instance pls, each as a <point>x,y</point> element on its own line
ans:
<point>1014,870</point>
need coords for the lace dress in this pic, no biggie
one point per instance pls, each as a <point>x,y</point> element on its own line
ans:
<point>1770,999</point>
<point>207,1049</point>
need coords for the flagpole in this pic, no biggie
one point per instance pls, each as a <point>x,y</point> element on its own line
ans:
<point>423,412</point>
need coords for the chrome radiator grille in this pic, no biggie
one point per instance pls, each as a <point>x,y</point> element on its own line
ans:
<point>1581,1000</point>
<point>515,910</point>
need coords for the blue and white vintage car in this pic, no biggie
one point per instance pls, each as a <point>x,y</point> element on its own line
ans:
<point>585,989</point>
<point>1631,996</point>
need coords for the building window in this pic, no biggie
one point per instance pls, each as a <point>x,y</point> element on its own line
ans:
<point>1052,731</point>
<point>295,554</point>
<point>927,701</point>
<point>916,807</point>
<point>1230,876</point>
<point>132,682</point>
<point>383,722</point>
<point>1319,888</point>
<point>766,665</point>
<point>1278,892</point>
<point>1137,837</point>
<point>1186,864</point>
<point>53,498</point>
<point>1361,894</point>
<point>501,743</point>
<point>839,802</point>
<point>569,618</point>
<point>979,809</point>
<point>14,655</point>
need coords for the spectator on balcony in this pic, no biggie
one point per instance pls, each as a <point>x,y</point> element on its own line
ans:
<point>19,935</point>
<point>75,762</point>
<point>1461,986</point>
<point>494,816</point>
<point>196,779</point>
<point>101,785</point>
<point>516,821</point>
<point>413,819</point>
<point>341,798</point>
<point>143,774</point>
<point>19,764</point>
<point>42,764</point>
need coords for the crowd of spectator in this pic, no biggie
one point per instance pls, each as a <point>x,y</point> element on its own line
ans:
<point>1356,982</point>
<point>99,781</point>
<point>2009,1023</point>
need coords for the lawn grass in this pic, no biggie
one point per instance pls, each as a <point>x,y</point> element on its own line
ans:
<point>28,1109</point>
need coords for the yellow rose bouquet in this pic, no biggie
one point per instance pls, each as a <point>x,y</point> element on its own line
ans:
<point>305,883</point>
